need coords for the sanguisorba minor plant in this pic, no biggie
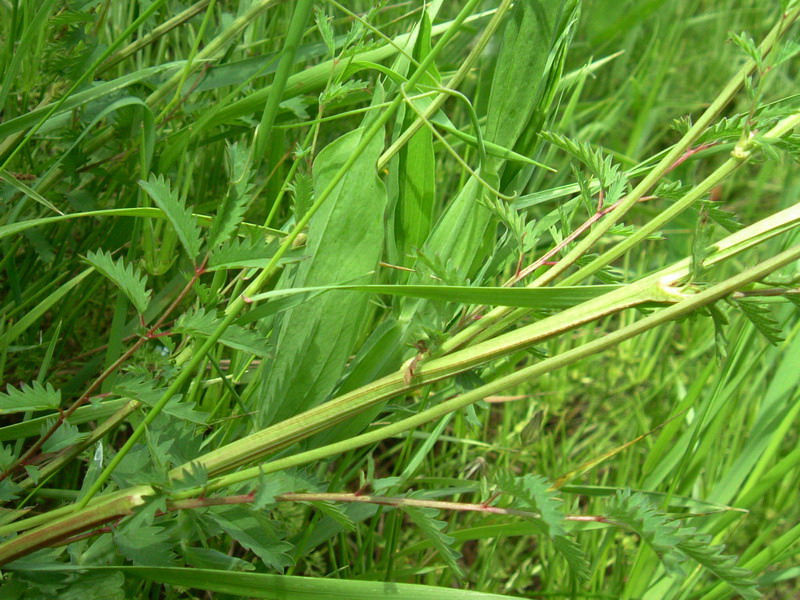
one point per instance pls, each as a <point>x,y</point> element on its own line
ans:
<point>319,299</point>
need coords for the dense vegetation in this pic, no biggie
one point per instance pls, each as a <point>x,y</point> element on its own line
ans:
<point>369,300</point>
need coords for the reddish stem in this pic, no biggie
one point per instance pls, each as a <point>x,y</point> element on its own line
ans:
<point>66,414</point>
<point>688,154</point>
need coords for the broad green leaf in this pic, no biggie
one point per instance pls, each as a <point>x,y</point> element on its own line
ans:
<point>130,281</point>
<point>345,239</point>
<point>526,44</point>
<point>565,17</point>
<point>182,220</point>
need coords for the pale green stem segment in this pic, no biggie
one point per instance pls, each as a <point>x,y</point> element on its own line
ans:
<point>344,407</point>
<point>236,306</point>
<point>105,510</point>
<point>302,11</point>
<point>654,288</point>
<point>689,304</point>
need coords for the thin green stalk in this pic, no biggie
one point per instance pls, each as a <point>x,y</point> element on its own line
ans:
<point>740,155</point>
<point>214,47</point>
<point>276,204</point>
<point>302,12</point>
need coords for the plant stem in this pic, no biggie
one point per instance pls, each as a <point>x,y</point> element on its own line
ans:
<point>302,11</point>
<point>525,375</point>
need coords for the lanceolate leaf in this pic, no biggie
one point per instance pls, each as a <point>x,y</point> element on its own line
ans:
<point>177,213</point>
<point>526,44</point>
<point>132,283</point>
<point>345,238</point>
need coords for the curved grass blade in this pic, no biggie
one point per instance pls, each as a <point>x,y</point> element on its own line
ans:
<point>144,212</point>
